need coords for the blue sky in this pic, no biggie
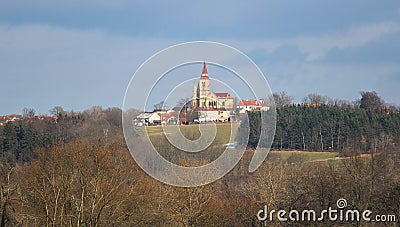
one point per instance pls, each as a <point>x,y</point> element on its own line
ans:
<point>78,54</point>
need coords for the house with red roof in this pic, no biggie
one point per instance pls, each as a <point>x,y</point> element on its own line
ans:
<point>168,118</point>
<point>251,105</point>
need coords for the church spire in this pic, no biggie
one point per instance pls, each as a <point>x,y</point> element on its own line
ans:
<point>204,73</point>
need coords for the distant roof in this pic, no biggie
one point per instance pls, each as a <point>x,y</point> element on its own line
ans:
<point>223,94</point>
<point>144,115</point>
<point>15,115</point>
<point>166,116</point>
<point>250,102</point>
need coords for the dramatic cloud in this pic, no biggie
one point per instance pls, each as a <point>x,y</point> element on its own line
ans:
<point>70,67</point>
<point>318,46</point>
<point>79,54</point>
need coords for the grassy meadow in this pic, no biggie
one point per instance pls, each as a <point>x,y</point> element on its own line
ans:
<point>192,132</point>
<point>224,130</point>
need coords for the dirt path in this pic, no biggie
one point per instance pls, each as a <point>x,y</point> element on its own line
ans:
<point>342,158</point>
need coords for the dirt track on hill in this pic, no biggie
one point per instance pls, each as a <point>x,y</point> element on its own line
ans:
<point>342,158</point>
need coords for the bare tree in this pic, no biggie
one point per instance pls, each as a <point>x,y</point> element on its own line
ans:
<point>28,112</point>
<point>282,99</point>
<point>184,102</point>
<point>315,99</point>
<point>95,112</point>
<point>338,102</point>
<point>160,106</point>
<point>57,110</point>
<point>8,197</point>
<point>80,184</point>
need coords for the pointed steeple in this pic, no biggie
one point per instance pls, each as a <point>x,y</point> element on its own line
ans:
<point>204,73</point>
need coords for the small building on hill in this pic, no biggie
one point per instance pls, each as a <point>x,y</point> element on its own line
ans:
<point>214,115</point>
<point>145,119</point>
<point>251,105</point>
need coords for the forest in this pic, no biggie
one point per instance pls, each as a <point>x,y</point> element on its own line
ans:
<point>332,128</point>
<point>78,171</point>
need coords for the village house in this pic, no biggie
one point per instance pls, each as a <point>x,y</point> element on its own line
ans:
<point>17,117</point>
<point>145,119</point>
<point>156,118</point>
<point>10,118</point>
<point>251,105</point>
<point>214,115</point>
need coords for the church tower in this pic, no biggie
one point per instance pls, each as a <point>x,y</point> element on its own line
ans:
<point>204,87</point>
<point>205,99</point>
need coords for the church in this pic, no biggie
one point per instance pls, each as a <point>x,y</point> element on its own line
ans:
<point>204,98</point>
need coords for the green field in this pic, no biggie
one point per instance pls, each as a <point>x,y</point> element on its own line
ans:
<point>222,137</point>
<point>192,131</point>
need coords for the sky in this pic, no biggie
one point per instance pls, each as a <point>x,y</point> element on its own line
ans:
<point>79,54</point>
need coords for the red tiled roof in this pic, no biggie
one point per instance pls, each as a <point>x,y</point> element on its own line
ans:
<point>15,115</point>
<point>49,117</point>
<point>251,102</point>
<point>223,94</point>
<point>166,116</point>
<point>248,103</point>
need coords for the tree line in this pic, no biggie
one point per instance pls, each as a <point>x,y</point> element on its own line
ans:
<point>318,125</point>
<point>333,128</point>
<point>19,139</point>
